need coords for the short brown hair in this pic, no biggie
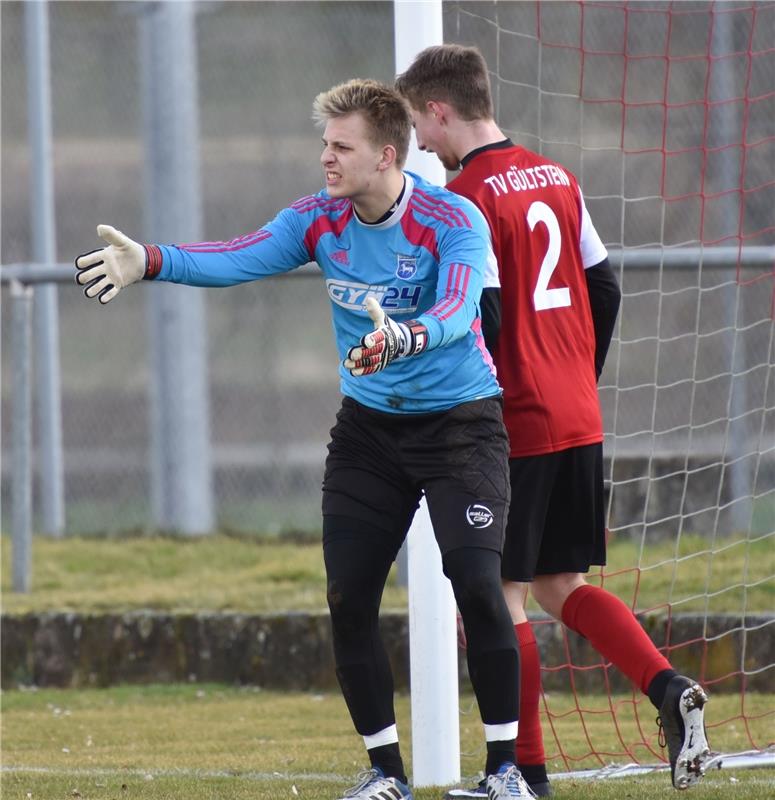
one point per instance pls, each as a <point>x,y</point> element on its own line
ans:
<point>384,109</point>
<point>449,73</point>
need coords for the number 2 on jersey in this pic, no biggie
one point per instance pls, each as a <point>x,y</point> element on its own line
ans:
<point>543,297</point>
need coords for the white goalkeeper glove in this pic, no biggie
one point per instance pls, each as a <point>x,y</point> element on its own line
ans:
<point>388,341</point>
<point>105,272</point>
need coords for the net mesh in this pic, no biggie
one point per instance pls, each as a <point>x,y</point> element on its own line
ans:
<point>664,111</point>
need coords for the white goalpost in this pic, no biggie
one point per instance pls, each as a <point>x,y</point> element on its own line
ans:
<point>432,633</point>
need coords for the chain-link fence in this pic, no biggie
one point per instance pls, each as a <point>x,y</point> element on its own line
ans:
<point>669,379</point>
<point>260,67</point>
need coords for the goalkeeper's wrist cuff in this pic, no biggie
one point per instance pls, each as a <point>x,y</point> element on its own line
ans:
<point>153,261</point>
<point>415,336</point>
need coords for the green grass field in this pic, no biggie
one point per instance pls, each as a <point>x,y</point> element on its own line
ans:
<point>251,574</point>
<point>203,741</point>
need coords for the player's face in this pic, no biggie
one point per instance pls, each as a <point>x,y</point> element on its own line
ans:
<point>431,137</point>
<point>350,161</point>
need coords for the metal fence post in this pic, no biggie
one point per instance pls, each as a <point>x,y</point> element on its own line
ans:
<point>181,461</point>
<point>49,396</point>
<point>737,468</point>
<point>21,515</point>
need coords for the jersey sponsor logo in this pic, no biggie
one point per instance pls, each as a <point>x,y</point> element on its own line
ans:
<point>352,295</point>
<point>340,256</point>
<point>407,267</point>
<point>479,516</point>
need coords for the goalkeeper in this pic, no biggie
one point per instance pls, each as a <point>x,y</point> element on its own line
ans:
<point>549,337</point>
<point>404,263</point>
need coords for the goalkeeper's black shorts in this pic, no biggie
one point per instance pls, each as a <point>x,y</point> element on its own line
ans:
<point>556,520</point>
<point>379,464</point>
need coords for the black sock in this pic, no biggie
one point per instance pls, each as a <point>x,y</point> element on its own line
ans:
<point>658,687</point>
<point>534,773</point>
<point>498,753</point>
<point>388,758</point>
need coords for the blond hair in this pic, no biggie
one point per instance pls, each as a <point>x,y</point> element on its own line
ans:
<point>449,73</point>
<point>384,110</point>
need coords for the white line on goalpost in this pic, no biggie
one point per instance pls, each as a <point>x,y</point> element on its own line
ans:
<point>432,637</point>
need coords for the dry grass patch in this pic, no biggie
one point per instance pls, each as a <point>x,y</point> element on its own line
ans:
<point>259,575</point>
<point>202,742</point>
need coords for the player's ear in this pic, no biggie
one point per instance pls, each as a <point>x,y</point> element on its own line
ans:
<point>387,157</point>
<point>443,113</point>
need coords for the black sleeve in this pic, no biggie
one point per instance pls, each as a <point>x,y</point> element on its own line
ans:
<point>491,316</point>
<point>604,299</point>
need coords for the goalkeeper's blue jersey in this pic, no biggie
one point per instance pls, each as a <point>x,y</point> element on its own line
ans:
<point>427,262</point>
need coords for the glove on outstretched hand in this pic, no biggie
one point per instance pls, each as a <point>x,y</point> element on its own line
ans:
<point>106,271</point>
<point>388,341</point>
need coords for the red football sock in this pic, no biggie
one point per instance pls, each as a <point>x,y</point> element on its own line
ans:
<point>611,628</point>
<point>530,742</point>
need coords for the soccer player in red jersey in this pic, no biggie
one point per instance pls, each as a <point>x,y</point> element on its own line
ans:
<point>548,328</point>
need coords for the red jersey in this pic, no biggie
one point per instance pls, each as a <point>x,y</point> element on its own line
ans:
<point>543,239</point>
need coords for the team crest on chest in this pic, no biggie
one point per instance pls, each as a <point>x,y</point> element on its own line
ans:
<point>407,267</point>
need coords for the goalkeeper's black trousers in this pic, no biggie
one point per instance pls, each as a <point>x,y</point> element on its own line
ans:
<point>358,561</point>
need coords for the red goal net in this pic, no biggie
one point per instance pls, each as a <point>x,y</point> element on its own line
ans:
<point>666,114</point>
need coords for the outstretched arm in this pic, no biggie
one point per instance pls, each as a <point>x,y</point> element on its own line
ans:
<point>277,247</point>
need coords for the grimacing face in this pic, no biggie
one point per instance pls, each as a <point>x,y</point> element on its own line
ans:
<point>431,137</point>
<point>349,159</point>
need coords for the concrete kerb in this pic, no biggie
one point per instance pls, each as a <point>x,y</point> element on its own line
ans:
<point>293,650</point>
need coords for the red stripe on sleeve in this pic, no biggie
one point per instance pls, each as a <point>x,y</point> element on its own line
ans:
<point>457,287</point>
<point>240,243</point>
<point>441,210</point>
